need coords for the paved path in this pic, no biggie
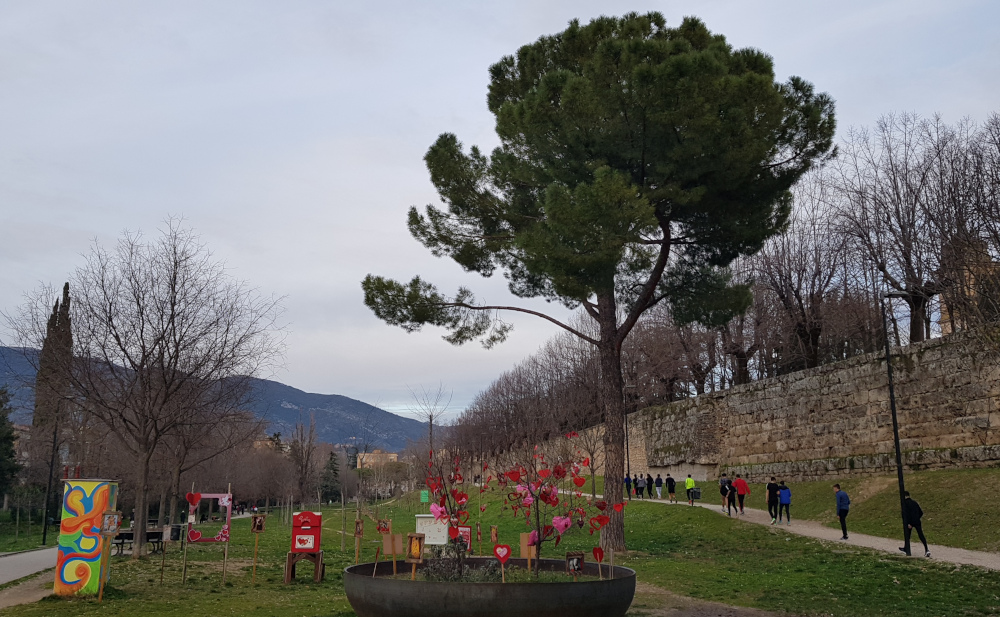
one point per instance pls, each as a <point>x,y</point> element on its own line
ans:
<point>814,529</point>
<point>18,565</point>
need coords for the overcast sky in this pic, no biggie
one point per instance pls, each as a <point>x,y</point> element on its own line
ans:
<point>290,136</point>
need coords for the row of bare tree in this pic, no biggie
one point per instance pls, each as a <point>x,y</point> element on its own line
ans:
<point>908,209</point>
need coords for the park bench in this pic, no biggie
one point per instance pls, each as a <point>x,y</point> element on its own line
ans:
<point>153,538</point>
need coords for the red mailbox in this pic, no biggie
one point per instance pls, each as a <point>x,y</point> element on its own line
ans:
<point>307,527</point>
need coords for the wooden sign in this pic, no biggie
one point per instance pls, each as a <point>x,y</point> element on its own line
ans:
<point>257,523</point>
<point>574,564</point>
<point>359,528</point>
<point>414,548</point>
<point>527,552</point>
<point>465,533</point>
<point>383,526</point>
<point>494,535</point>
<point>479,533</point>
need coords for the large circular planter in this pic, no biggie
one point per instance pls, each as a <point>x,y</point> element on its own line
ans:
<point>386,597</point>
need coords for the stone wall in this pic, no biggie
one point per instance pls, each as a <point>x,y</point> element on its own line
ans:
<point>835,420</point>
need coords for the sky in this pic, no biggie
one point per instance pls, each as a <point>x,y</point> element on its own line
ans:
<point>290,137</point>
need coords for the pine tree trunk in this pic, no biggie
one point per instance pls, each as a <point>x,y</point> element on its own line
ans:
<point>611,392</point>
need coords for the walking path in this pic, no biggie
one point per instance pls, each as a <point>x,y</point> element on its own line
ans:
<point>18,565</point>
<point>814,529</point>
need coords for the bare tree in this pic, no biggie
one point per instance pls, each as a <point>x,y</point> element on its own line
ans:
<point>430,407</point>
<point>163,336</point>
<point>302,451</point>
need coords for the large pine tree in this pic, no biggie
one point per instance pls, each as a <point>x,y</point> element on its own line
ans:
<point>636,162</point>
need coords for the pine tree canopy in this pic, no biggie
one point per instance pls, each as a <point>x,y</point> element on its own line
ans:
<point>636,161</point>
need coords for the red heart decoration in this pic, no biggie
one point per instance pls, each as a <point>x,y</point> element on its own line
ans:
<point>601,505</point>
<point>598,554</point>
<point>194,535</point>
<point>463,516</point>
<point>303,541</point>
<point>579,481</point>
<point>547,530</point>
<point>558,540</point>
<point>501,552</point>
<point>482,508</point>
<point>544,473</point>
<point>462,498</point>
<point>619,506</point>
<point>453,532</point>
<point>586,462</point>
<point>514,475</point>
<point>578,493</point>
<point>560,472</point>
<point>193,498</point>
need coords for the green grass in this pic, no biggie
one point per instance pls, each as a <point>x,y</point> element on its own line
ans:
<point>690,551</point>
<point>16,536</point>
<point>956,504</point>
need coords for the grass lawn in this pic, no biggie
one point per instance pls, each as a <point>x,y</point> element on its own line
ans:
<point>956,510</point>
<point>690,551</point>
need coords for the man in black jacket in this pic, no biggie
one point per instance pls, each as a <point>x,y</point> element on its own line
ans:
<point>911,518</point>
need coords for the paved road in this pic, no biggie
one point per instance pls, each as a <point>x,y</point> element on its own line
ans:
<point>814,529</point>
<point>18,565</point>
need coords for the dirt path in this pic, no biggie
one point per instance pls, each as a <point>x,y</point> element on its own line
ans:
<point>652,601</point>
<point>814,529</point>
<point>29,590</point>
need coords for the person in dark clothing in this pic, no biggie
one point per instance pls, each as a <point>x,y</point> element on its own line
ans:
<point>843,508</point>
<point>731,499</point>
<point>639,483</point>
<point>911,517</point>
<point>771,493</point>
<point>659,487</point>
<point>628,487</point>
<point>649,486</point>
<point>671,489</point>
<point>784,502</point>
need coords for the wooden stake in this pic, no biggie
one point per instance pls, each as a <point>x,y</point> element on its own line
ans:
<point>163,556</point>
<point>343,521</point>
<point>376,561</point>
<point>100,581</point>
<point>256,541</point>
<point>612,570</point>
<point>357,550</point>
<point>503,573</point>
<point>413,573</point>
<point>229,518</point>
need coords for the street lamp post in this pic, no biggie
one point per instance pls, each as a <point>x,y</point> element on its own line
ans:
<point>892,407</point>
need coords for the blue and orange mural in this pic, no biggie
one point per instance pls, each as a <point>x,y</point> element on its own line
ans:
<point>81,546</point>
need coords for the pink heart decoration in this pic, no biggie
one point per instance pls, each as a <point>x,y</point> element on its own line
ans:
<point>501,552</point>
<point>562,523</point>
<point>439,512</point>
<point>533,538</point>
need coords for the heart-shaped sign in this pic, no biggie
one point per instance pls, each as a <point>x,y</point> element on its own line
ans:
<point>619,506</point>
<point>194,535</point>
<point>193,498</point>
<point>453,532</point>
<point>598,554</point>
<point>462,516</point>
<point>501,552</point>
<point>579,482</point>
<point>544,473</point>
<point>514,475</point>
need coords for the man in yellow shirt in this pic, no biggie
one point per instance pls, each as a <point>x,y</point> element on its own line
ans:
<point>688,485</point>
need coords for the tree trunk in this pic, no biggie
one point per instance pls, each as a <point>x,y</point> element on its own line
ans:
<point>141,506</point>
<point>918,314</point>
<point>613,404</point>
<point>175,491</point>
<point>161,514</point>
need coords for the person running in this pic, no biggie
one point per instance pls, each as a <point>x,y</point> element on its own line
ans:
<point>772,499</point>
<point>843,508</point>
<point>671,489</point>
<point>659,486</point>
<point>742,490</point>
<point>628,487</point>
<point>784,502</point>
<point>912,514</point>
<point>689,487</point>
<point>640,486</point>
<point>731,499</point>
<point>724,490</point>
<point>649,486</point>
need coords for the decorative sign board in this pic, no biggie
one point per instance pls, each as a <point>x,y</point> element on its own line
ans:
<point>425,496</point>
<point>435,533</point>
<point>257,523</point>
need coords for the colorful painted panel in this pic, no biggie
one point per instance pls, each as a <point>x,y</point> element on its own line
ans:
<point>81,547</point>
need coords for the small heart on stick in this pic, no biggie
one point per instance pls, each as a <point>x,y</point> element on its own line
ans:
<point>501,552</point>
<point>453,532</point>
<point>598,554</point>
<point>193,498</point>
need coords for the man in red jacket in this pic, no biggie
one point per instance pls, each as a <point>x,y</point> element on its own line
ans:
<point>742,490</point>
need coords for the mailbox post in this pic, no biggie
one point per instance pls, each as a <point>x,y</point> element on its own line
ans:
<point>307,530</point>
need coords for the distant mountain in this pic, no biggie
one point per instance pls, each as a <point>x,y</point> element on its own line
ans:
<point>339,419</point>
